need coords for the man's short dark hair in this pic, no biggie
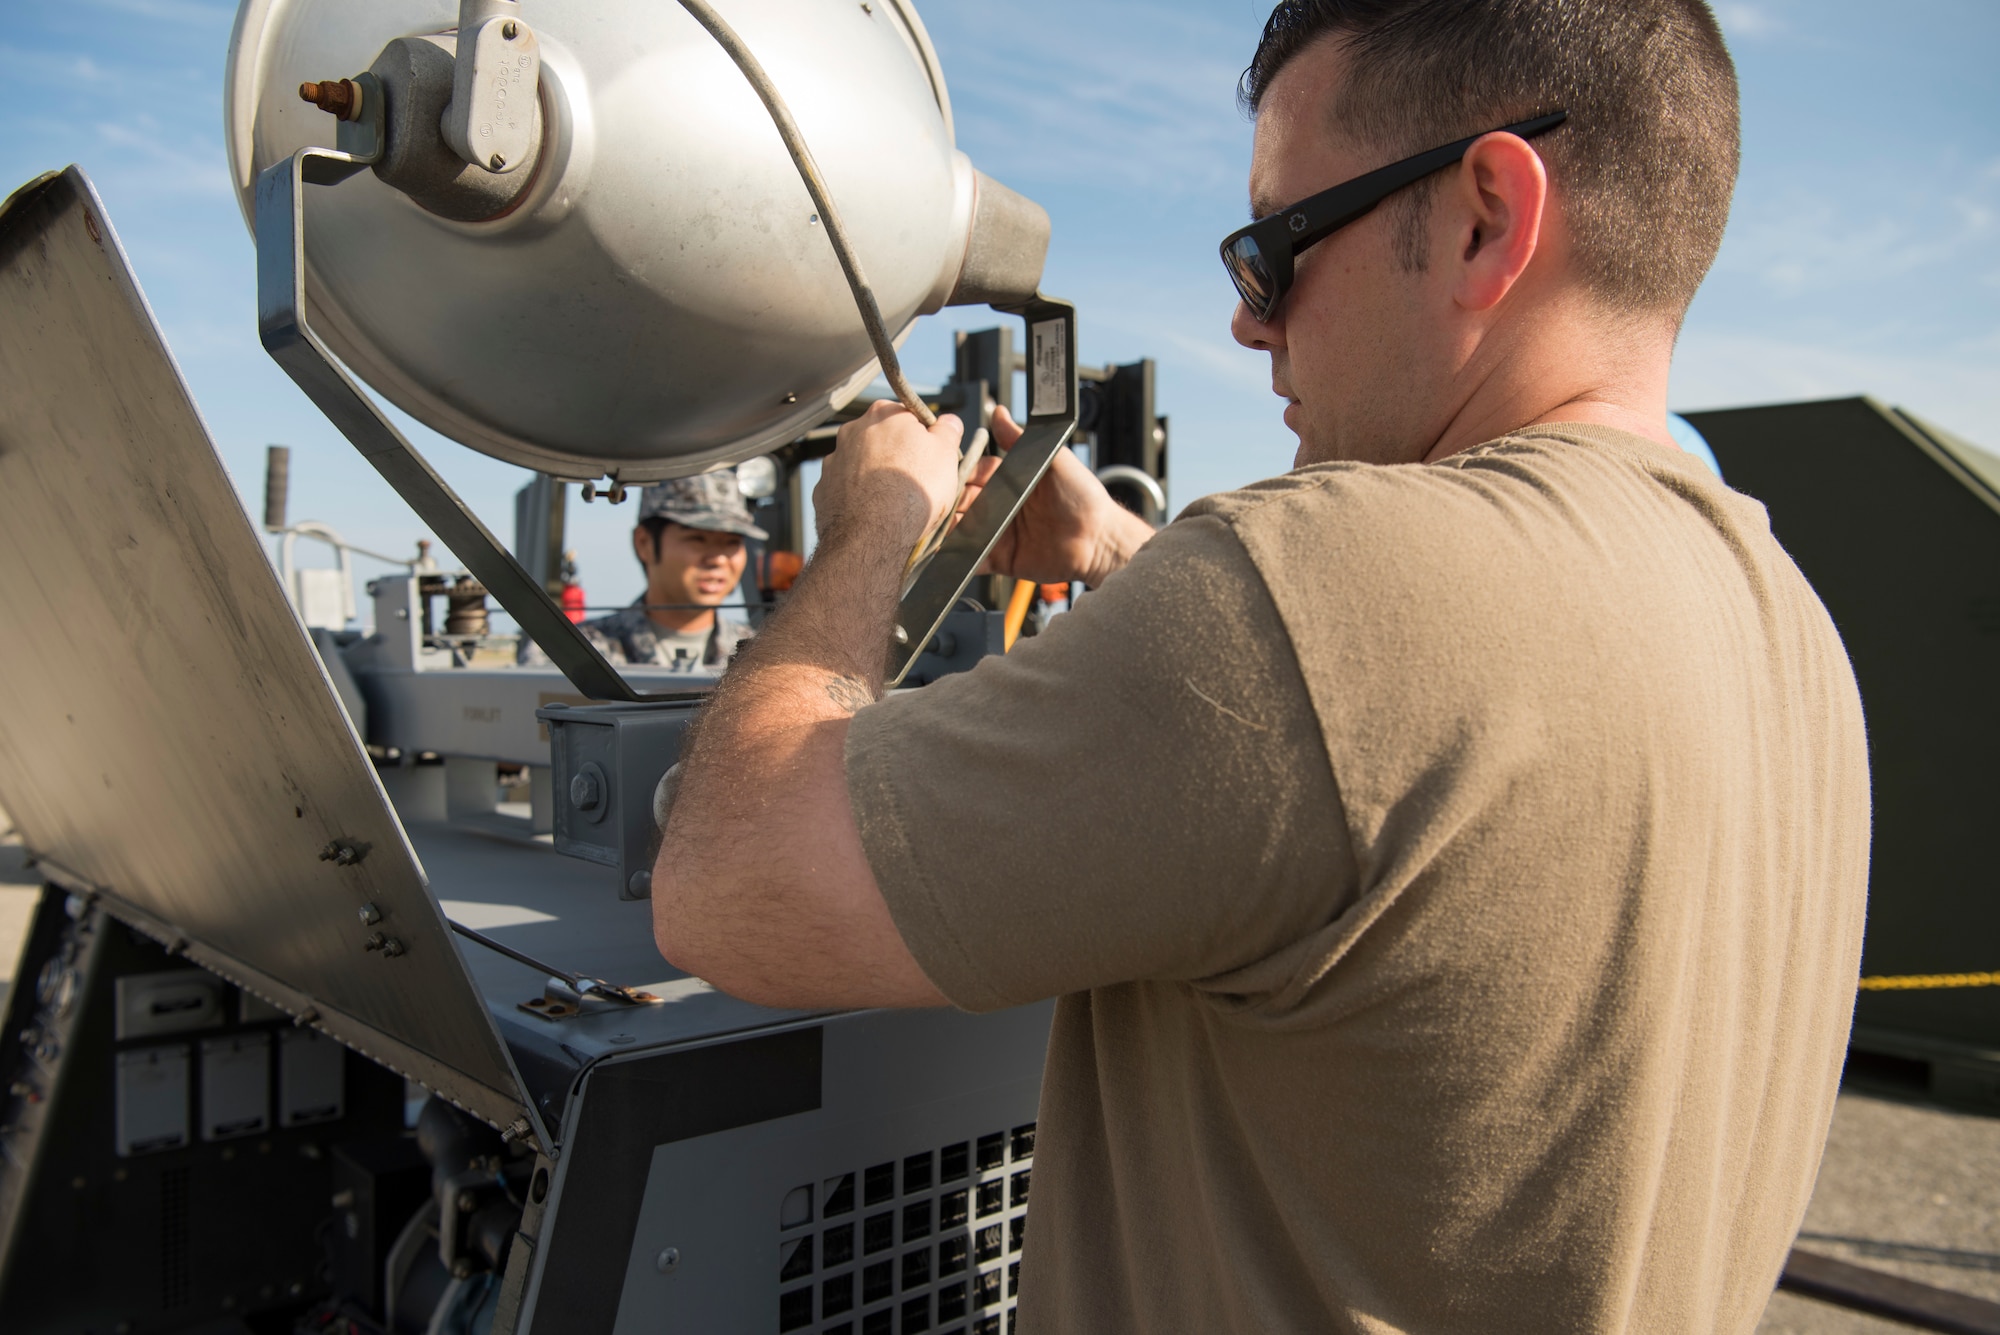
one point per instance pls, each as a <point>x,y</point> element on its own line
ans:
<point>1645,164</point>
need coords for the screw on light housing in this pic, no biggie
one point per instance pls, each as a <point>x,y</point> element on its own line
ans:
<point>339,97</point>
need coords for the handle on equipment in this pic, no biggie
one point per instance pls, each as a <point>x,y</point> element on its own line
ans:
<point>1052,421</point>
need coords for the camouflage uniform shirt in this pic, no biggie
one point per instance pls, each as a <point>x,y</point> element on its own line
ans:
<point>629,636</point>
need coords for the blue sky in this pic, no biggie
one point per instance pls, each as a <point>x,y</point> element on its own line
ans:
<point>1861,255</point>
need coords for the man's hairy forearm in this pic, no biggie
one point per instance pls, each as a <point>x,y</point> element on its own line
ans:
<point>835,625</point>
<point>740,887</point>
<point>821,657</point>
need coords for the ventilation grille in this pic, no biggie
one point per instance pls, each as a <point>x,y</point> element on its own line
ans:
<point>926,1245</point>
<point>174,1239</point>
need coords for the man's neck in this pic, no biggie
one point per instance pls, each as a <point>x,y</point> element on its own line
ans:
<point>1582,369</point>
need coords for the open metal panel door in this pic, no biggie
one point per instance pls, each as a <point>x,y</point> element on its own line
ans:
<point>168,737</point>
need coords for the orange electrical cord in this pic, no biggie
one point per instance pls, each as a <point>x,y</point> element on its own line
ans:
<point>1017,611</point>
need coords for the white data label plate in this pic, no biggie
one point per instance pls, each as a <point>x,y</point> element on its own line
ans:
<point>1048,368</point>
<point>235,1086</point>
<point>312,1078</point>
<point>152,1100</point>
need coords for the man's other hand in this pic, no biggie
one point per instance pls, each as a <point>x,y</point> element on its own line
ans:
<point>888,474</point>
<point>1068,529</point>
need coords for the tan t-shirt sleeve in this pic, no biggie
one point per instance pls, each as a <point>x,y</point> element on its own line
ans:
<point>1141,792</point>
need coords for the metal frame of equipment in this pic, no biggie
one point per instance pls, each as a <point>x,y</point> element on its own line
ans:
<point>244,952</point>
<point>1053,407</point>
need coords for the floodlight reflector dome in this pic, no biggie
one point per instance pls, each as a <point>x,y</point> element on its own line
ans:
<point>652,294</point>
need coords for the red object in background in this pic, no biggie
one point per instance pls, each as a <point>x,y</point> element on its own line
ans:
<point>572,602</point>
<point>1055,593</point>
<point>780,570</point>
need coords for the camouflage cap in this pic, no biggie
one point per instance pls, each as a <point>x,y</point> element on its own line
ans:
<point>710,501</point>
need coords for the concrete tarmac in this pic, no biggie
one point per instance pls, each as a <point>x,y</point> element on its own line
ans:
<point>1909,1189</point>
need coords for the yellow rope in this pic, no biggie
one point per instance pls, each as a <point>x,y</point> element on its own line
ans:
<point>1924,982</point>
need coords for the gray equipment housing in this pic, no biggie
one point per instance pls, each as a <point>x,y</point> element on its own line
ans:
<point>179,765</point>
<point>607,762</point>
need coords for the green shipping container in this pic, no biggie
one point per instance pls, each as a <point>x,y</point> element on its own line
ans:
<point>1897,525</point>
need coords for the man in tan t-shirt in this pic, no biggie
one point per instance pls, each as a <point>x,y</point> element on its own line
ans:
<point>1457,894</point>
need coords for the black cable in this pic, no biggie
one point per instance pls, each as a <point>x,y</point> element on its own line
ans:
<point>548,969</point>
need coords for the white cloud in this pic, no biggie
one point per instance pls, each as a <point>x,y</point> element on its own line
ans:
<point>1953,386</point>
<point>189,12</point>
<point>157,164</point>
<point>1131,95</point>
<point>1805,242</point>
<point>60,69</point>
<point>1750,21</point>
<point>97,79</point>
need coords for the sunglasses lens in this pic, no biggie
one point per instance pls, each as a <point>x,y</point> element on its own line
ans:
<point>1251,275</point>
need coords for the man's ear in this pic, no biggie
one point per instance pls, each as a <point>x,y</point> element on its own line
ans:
<point>643,546</point>
<point>1497,201</point>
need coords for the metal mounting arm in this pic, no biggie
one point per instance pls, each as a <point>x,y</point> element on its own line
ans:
<point>281,325</point>
<point>1052,420</point>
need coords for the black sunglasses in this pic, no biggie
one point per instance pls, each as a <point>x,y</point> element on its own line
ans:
<point>1259,258</point>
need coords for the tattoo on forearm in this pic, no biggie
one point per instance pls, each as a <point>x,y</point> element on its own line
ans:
<point>850,693</point>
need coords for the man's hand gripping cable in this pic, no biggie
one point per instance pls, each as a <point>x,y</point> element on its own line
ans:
<point>927,546</point>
